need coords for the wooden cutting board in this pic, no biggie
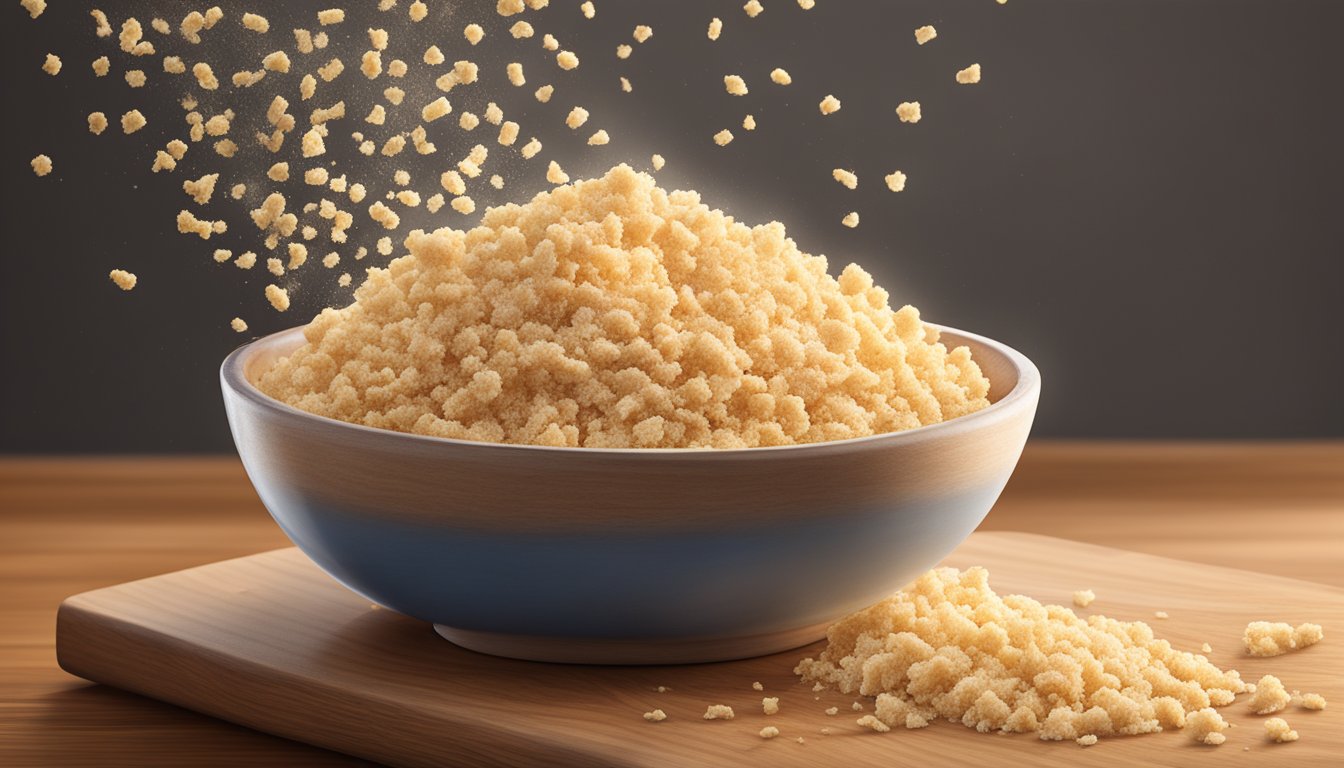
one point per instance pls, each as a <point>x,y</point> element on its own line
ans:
<point>270,642</point>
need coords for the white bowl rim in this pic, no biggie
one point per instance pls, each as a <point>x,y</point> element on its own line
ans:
<point>1022,395</point>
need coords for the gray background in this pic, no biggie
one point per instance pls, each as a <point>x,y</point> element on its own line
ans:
<point>1142,195</point>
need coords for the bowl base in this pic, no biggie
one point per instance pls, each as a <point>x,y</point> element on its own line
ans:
<point>563,650</point>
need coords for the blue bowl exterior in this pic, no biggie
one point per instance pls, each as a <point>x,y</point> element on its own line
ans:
<point>631,545</point>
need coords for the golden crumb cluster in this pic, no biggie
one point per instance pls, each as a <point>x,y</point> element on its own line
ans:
<point>611,313</point>
<point>1274,638</point>
<point>948,646</point>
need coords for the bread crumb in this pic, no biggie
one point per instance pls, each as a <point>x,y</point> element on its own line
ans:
<point>298,255</point>
<point>330,16</point>
<point>371,64</point>
<point>544,93</point>
<point>756,686</point>
<point>133,121</point>
<point>101,26</point>
<point>657,162</point>
<point>832,710</point>
<point>123,279</point>
<point>278,297</point>
<point>521,30</point>
<point>508,134</point>
<point>394,95</point>
<point>851,219</point>
<point>549,42</point>
<point>599,138</point>
<point>871,722</point>
<point>238,325</point>
<point>245,260</point>
<point>908,111</point>
<point>1087,740</point>
<point>344,280</point>
<point>514,70</point>
<point>925,33</point>
<point>1205,725</point>
<point>847,178</point>
<point>969,75</point>
<point>332,259</point>
<point>719,712</point>
<point>316,177</point>
<point>101,65</point>
<point>205,76</point>
<point>494,115</point>
<point>42,164</point>
<point>576,117</point>
<point>418,11</point>
<point>735,85</point>
<point>384,215</point>
<point>474,33</point>
<point>52,64</point>
<point>829,105</point>
<point>770,705</point>
<point>623,51</point>
<point>1206,648</point>
<point>656,716</point>
<point>753,8</point>
<point>435,110</point>
<point>769,732</point>
<point>497,181</point>
<point>530,149</point>
<point>36,7</point>
<point>1278,730</point>
<point>780,77</point>
<point>397,68</point>
<point>331,70</point>
<point>914,649</point>
<point>433,56</point>
<point>275,267</point>
<point>256,23</point>
<point>715,28</point>
<point>643,32</point>
<point>1161,615</point>
<point>896,183</point>
<point>463,204</point>
<point>222,255</point>
<point>1270,696</point>
<point>201,189</point>
<point>723,138</point>
<point>1264,638</point>
<point>566,60</point>
<point>97,123</point>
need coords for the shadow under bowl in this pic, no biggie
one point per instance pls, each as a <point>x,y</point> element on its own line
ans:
<point>626,556</point>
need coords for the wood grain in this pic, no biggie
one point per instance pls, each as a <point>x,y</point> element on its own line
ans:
<point>270,642</point>
<point>73,524</point>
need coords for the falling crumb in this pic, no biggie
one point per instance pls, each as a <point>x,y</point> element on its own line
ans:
<point>124,280</point>
<point>101,65</point>
<point>238,325</point>
<point>896,183</point>
<point>753,8</point>
<point>245,260</point>
<point>514,70</point>
<point>1161,615</point>
<point>315,177</point>
<point>576,117</point>
<point>494,115</point>
<point>719,712</point>
<point>521,30</point>
<point>42,164</point>
<point>463,204</point>
<point>566,60</point>
<point>371,64</point>
<point>715,28</point>
<point>851,219</point>
<point>36,7</point>
<point>418,11</point>
<point>829,105</point>
<point>847,178</point>
<point>832,711</point>
<point>856,706</point>
<point>275,267</point>
<point>278,297</point>
<point>468,121</point>
<point>657,162</point>
<point>530,149</point>
<point>599,138</point>
<point>1264,638</point>
<point>330,16</point>
<point>135,78</point>
<point>587,9</point>
<point>925,33</point>
<point>200,190</point>
<point>780,77</point>
<point>969,75</point>
<point>723,138</point>
<point>384,215</point>
<point>770,705</point>
<point>132,121</point>
<point>735,85</point>
<point>1312,701</point>
<point>642,32</point>
<point>1206,648</point>
<point>298,255</point>
<point>331,70</point>
<point>205,76</point>
<point>544,93</point>
<point>1088,740</point>
<point>497,181</point>
<point>656,716</point>
<point>508,134</point>
<point>332,259</point>
<point>757,686</point>
<point>908,111</point>
<point>397,68</point>
<point>384,246</point>
<point>222,255</point>
<point>549,42</point>
<point>623,51</point>
<point>433,56</point>
<point>769,732</point>
<point>52,64</point>
<point>344,280</point>
<point>1278,730</point>
<point>474,33</point>
<point>1083,597</point>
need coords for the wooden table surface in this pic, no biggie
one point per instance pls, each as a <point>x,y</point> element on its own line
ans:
<point>70,525</point>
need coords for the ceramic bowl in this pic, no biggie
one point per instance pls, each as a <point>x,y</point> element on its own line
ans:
<point>626,556</point>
